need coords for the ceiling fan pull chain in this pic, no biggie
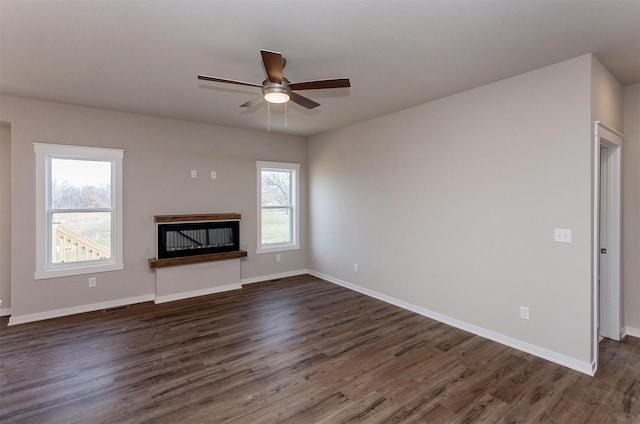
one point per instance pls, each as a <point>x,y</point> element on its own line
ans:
<point>286,108</point>
<point>268,116</point>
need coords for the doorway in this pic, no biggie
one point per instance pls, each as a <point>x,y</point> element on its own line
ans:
<point>607,237</point>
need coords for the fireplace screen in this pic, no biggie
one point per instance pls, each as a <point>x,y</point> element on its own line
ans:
<point>200,238</point>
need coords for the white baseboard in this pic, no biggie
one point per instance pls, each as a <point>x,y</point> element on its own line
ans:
<point>583,367</point>
<point>630,331</point>
<point>196,293</point>
<point>244,281</point>
<point>263,278</point>
<point>56,313</point>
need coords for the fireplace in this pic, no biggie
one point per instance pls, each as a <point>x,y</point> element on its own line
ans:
<point>181,239</point>
<point>196,255</point>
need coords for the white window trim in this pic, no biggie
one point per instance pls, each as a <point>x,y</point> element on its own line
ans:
<point>295,193</point>
<point>43,268</point>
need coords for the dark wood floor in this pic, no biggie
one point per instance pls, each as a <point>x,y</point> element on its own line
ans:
<point>297,350</point>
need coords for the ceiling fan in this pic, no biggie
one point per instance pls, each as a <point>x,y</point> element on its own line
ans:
<point>276,88</point>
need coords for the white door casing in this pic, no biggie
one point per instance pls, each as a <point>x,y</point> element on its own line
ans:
<point>607,149</point>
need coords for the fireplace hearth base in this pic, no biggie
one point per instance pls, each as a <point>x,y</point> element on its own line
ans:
<point>207,269</point>
<point>200,279</point>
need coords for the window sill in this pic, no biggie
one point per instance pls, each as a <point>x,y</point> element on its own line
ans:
<point>78,270</point>
<point>281,248</point>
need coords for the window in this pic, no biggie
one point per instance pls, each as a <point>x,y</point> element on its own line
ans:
<point>79,210</point>
<point>277,206</point>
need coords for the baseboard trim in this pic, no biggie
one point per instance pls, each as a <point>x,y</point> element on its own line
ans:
<point>583,367</point>
<point>57,313</point>
<point>196,293</point>
<point>264,278</point>
<point>630,331</point>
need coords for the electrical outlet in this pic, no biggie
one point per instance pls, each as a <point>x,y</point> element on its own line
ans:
<point>214,175</point>
<point>194,173</point>
<point>356,268</point>
<point>92,282</point>
<point>278,258</point>
<point>524,312</point>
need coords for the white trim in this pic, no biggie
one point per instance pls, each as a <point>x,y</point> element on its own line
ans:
<point>78,270</point>
<point>21,319</point>
<point>603,135</point>
<point>57,313</point>
<point>78,151</point>
<point>583,367</point>
<point>277,248</point>
<point>265,278</point>
<point>608,128</point>
<point>44,269</point>
<point>630,331</point>
<point>196,293</point>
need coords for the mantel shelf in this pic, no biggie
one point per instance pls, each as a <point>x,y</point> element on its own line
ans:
<point>197,217</point>
<point>160,263</point>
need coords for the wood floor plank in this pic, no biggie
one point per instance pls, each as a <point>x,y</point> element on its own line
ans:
<point>295,350</point>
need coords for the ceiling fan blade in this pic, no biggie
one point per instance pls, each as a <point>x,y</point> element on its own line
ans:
<point>227,81</point>
<point>253,102</point>
<point>303,101</point>
<point>273,64</point>
<point>316,85</point>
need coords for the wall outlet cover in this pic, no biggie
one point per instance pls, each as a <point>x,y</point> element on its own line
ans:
<point>562,235</point>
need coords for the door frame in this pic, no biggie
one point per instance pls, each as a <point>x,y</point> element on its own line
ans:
<point>610,139</point>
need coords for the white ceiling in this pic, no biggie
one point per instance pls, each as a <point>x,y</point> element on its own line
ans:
<point>143,56</point>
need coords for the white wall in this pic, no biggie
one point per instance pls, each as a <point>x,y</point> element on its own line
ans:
<point>450,206</point>
<point>159,154</point>
<point>631,210</point>
<point>5,219</point>
<point>606,97</point>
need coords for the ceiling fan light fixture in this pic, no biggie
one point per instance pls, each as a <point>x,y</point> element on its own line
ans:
<point>276,94</point>
<point>277,97</point>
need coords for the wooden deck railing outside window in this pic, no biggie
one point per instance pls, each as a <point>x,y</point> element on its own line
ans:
<point>71,246</point>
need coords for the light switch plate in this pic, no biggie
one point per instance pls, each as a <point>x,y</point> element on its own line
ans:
<point>561,235</point>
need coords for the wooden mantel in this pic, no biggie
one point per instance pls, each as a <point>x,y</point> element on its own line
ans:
<point>161,263</point>
<point>197,217</point>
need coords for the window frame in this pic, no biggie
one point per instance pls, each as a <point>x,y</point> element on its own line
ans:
<point>45,268</point>
<point>294,205</point>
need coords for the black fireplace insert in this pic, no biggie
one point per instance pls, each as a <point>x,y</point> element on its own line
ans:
<point>197,238</point>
